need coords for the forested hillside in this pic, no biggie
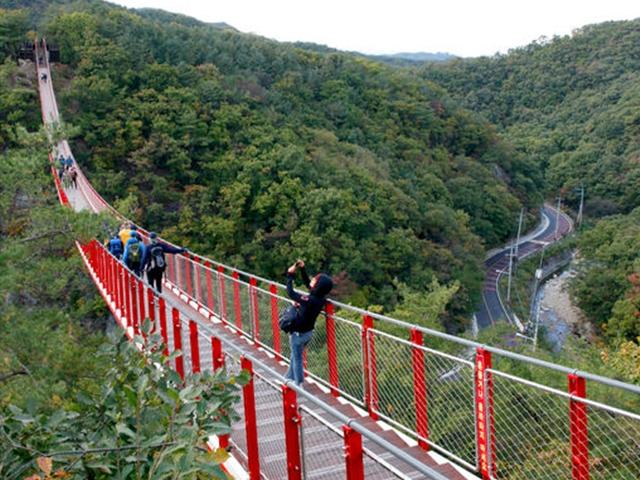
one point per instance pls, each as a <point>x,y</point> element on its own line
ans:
<point>570,103</point>
<point>258,152</point>
<point>74,403</point>
<point>572,106</point>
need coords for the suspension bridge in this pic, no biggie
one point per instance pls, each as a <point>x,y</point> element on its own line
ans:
<point>378,402</point>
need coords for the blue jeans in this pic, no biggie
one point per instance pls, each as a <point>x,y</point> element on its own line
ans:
<point>297,341</point>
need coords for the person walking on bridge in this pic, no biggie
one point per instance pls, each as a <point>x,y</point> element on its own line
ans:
<point>154,261</point>
<point>115,246</point>
<point>73,177</point>
<point>309,307</point>
<point>134,252</point>
<point>125,232</point>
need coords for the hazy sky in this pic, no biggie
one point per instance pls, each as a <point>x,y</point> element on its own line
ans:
<point>461,27</point>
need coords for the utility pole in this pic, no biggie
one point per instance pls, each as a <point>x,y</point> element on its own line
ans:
<point>579,219</point>
<point>519,231</point>
<point>513,251</point>
<point>555,235</point>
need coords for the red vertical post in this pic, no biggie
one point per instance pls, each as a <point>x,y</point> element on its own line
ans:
<point>96,255</point>
<point>121,300</point>
<point>100,258</point>
<point>134,304</point>
<point>195,347</point>
<point>209,281</point>
<point>113,289</point>
<point>216,353</point>
<point>274,318</point>
<point>236,300</point>
<point>485,440</point>
<point>419,388</point>
<point>223,298</point>
<point>172,268</point>
<point>114,282</point>
<point>162,311</point>
<point>177,341</point>
<point>251,422</point>
<point>105,267</point>
<point>151,309</point>
<point>197,288</point>
<point>105,272</point>
<point>187,274</point>
<point>353,454</point>
<point>578,429</point>
<point>255,313</point>
<point>370,374</point>
<point>141,302</point>
<point>332,351</point>
<point>217,358</point>
<point>292,433</point>
<point>127,297</point>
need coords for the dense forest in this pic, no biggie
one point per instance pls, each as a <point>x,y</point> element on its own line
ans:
<point>258,152</point>
<point>572,106</point>
<point>74,401</point>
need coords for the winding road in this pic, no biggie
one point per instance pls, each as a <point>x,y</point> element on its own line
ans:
<point>492,307</point>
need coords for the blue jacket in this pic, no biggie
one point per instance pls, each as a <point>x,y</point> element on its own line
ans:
<point>115,246</point>
<point>125,256</point>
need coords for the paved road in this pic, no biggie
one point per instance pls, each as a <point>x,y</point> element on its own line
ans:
<point>491,309</point>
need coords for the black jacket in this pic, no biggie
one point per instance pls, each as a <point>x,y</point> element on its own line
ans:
<point>146,258</point>
<point>312,304</point>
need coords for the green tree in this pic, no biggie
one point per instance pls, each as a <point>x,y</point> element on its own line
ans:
<point>143,422</point>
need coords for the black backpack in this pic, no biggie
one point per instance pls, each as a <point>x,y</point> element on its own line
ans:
<point>288,318</point>
<point>156,258</point>
<point>135,252</point>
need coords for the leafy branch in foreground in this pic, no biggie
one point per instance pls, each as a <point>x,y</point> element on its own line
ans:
<point>145,422</point>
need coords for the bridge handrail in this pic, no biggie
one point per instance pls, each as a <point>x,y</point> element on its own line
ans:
<point>102,265</point>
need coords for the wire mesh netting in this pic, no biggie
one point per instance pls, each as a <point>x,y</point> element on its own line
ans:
<point>200,285</point>
<point>213,299</point>
<point>448,406</point>
<point>181,277</point>
<point>238,438</point>
<point>270,421</point>
<point>394,374</point>
<point>614,443</point>
<point>316,352</point>
<point>205,349</point>
<point>269,331</point>
<point>246,308</point>
<point>532,431</point>
<point>322,449</point>
<point>350,360</point>
<point>191,270</point>
<point>237,304</point>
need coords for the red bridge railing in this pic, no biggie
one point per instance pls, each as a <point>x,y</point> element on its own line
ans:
<point>131,301</point>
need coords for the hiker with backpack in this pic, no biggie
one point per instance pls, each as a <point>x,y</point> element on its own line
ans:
<point>73,175</point>
<point>115,246</point>
<point>154,261</point>
<point>134,253</point>
<point>303,315</point>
